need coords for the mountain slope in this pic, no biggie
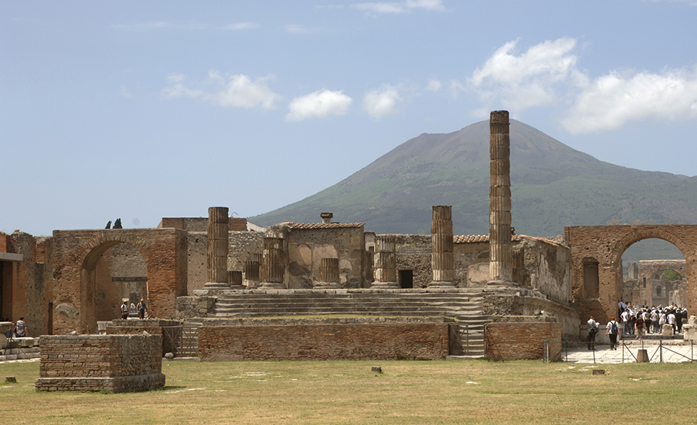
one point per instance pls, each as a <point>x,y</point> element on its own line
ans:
<point>552,186</point>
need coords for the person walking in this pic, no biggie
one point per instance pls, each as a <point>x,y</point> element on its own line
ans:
<point>592,332</point>
<point>611,331</point>
<point>141,309</point>
<point>124,310</point>
<point>640,326</point>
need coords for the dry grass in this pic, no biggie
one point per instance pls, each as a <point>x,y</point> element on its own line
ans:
<point>343,392</point>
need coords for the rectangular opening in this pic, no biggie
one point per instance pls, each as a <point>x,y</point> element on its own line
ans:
<point>406,278</point>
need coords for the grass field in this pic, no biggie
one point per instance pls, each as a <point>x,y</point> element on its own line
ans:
<point>348,392</point>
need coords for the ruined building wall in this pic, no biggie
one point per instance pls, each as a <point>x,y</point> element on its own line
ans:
<point>306,245</point>
<point>29,281</point>
<point>242,246</point>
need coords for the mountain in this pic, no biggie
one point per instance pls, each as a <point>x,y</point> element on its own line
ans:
<point>552,186</point>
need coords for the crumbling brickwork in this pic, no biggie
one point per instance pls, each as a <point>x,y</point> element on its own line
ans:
<point>522,340</point>
<point>366,341</point>
<point>115,363</point>
<point>75,257</point>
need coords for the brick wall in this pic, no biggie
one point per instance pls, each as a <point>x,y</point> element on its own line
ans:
<point>522,340</point>
<point>114,363</point>
<point>397,341</point>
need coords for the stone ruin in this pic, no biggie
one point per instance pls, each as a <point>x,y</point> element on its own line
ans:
<point>202,271</point>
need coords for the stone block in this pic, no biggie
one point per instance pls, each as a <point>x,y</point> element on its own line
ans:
<point>667,329</point>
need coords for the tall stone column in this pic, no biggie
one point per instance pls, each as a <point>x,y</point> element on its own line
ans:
<point>500,247</point>
<point>442,254</point>
<point>385,263</point>
<point>251,273</point>
<point>234,279</point>
<point>218,227</point>
<point>273,264</point>
<point>328,274</point>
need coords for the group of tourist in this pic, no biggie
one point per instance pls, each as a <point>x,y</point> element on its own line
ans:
<point>20,328</point>
<point>140,308</point>
<point>642,320</point>
<point>638,321</point>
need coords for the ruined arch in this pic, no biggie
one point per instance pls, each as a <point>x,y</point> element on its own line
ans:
<point>76,253</point>
<point>607,244</point>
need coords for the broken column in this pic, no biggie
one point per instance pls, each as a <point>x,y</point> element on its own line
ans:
<point>385,263</point>
<point>218,227</point>
<point>500,247</point>
<point>273,264</point>
<point>234,279</point>
<point>328,274</point>
<point>442,254</point>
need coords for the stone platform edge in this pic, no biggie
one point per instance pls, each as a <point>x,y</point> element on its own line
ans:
<point>114,384</point>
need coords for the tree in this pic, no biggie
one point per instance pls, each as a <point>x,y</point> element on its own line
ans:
<point>671,275</point>
<point>117,224</point>
<point>108,225</point>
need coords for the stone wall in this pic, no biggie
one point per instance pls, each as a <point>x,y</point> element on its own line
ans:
<point>351,341</point>
<point>307,244</point>
<point>503,303</point>
<point>522,340</point>
<point>115,363</point>
<point>26,284</point>
<point>538,264</point>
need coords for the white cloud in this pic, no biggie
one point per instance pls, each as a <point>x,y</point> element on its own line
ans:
<point>234,91</point>
<point>613,100</point>
<point>125,93</point>
<point>400,7</point>
<point>380,103</point>
<point>319,104</point>
<point>529,79</point>
<point>434,85</point>
<point>298,29</point>
<point>241,26</point>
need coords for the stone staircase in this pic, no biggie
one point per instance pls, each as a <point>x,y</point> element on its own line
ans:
<point>462,305</point>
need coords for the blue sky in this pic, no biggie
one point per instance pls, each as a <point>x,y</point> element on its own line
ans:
<point>142,110</point>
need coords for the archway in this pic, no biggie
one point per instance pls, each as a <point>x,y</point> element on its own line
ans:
<point>606,244</point>
<point>75,272</point>
<point>112,272</point>
<point>652,271</point>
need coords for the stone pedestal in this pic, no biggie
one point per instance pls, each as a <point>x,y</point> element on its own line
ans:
<point>385,263</point>
<point>218,227</point>
<point>273,264</point>
<point>328,274</point>
<point>234,278</point>
<point>500,246</point>
<point>667,329</point>
<point>442,254</point>
<point>642,356</point>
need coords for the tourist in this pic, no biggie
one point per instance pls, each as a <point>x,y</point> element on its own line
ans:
<point>661,320</point>
<point>124,310</point>
<point>640,326</point>
<point>592,331</point>
<point>622,307</point>
<point>680,315</point>
<point>21,328</point>
<point>647,320</point>
<point>625,322</point>
<point>141,309</point>
<point>671,320</point>
<point>654,321</point>
<point>612,330</point>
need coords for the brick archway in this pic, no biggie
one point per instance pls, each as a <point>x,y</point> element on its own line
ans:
<point>606,244</point>
<point>75,255</point>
